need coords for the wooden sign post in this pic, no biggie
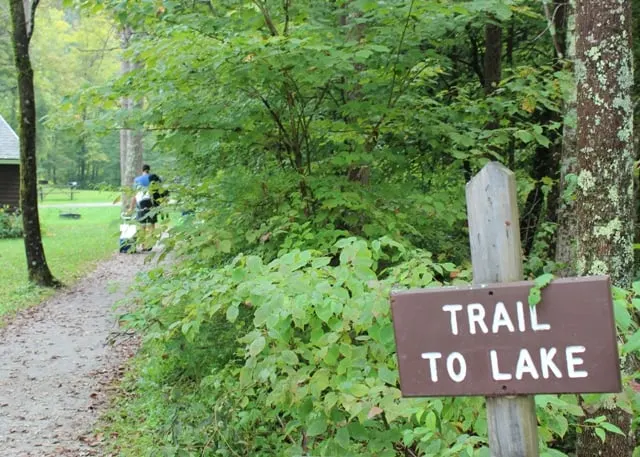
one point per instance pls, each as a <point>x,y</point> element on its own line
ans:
<point>496,256</point>
<point>486,340</point>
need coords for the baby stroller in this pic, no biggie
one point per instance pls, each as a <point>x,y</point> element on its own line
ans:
<point>128,231</point>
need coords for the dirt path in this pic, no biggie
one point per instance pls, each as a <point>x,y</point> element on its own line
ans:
<point>56,365</point>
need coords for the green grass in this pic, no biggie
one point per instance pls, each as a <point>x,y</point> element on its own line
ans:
<point>71,246</point>
<point>63,196</point>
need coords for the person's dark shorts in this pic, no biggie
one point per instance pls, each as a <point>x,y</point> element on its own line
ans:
<point>144,215</point>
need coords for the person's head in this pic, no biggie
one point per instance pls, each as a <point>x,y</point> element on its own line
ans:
<point>146,169</point>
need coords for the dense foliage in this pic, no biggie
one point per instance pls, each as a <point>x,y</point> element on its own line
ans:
<point>70,53</point>
<point>10,224</point>
<point>321,151</point>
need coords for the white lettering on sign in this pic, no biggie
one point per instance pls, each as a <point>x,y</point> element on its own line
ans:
<point>501,319</point>
<point>525,365</point>
<point>535,326</point>
<point>534,365</point>
<point>572,361</point>
<point>547,363</point>
<point>462,365</point>
<point>433,368</point>
<point>476,314</point>
<point>522,326</point>
<point>453,309</point>
<point>456,374</point>
<point>495,369</point>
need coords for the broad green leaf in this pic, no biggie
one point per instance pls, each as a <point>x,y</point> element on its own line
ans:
<point>633,344</point>
<point>342,437</point>
<point>319,381</point>
<point>225,246</point>
<point>622,314</point>
<point>388,376</point>
<point>524,136</point>
<point>257,346</point>
<point>544,280</point>
<point>534,296</point>
<point>232,313</point>
<point>612,428</point>
<point>317,427</point>
<point>289,357</point>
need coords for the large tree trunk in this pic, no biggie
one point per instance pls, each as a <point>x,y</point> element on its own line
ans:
<point>130,140</point>
<point>37,267</point>
<point>604,166</point>
<point>604,198</point>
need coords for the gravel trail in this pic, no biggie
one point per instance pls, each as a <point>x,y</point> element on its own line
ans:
<point>57,365</point>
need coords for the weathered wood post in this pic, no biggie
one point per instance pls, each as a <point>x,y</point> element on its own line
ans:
<point>494,234</point>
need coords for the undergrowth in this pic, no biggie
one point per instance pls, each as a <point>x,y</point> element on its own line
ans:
<point>296,357</point>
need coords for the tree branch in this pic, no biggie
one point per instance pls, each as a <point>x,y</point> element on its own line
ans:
<point>267,17</point>
<point>287,5</point>
<point>395,64</point>
<point>551,27</point>
<point>475,58</point>
<point>31,25</point>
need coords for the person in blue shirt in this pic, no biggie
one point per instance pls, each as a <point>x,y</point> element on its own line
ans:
<point>142,201</point>
<point>143,179</point>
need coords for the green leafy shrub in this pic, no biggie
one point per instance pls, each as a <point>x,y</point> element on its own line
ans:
<point>296,356</point>
<point>10,224</point>
<point>314,368</point>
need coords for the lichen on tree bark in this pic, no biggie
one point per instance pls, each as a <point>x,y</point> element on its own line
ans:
<point>604,168</point>
<point>604,195</point>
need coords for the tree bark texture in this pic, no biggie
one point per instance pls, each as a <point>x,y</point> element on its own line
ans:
<point>492,57</point>
<point>130,140</point>
<point>37,267</point>
<point>604,194</point>
<point>604,167</point>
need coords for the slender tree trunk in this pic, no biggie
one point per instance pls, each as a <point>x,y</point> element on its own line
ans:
<point>547,160</point>
<point>539,208</point>
<point>37,267</point>
<point>491,74</point>
<point>604,197</point>
<point>130,140</point>
<point>492,57</point>
<point>565,248</point>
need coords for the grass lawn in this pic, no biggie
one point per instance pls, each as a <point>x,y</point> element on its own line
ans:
<point>63,196</point>
<point>72,247</point>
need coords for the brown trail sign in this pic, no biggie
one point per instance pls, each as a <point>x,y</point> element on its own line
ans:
<point>486,340</point>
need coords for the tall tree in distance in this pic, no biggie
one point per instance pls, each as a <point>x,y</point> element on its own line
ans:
<point>604,195</point>
<point>492,56</point>
<point>130,139</point>
<point>22,19</point>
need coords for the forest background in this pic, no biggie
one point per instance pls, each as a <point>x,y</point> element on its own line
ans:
<point>71,52</point>
<point>319,151</point>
